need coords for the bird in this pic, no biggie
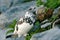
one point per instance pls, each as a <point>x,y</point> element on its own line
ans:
<point>24,25</point>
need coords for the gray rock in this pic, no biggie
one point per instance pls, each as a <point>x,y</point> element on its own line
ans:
<point>52,34</point>
<point>15,12</point>
<point>45,25</point>
<point>3,35</point>
<point>4,4</point>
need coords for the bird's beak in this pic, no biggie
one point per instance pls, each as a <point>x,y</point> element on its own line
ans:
<point>34,12</point>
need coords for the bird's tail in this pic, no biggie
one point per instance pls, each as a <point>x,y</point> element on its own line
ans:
<point>9,36</point>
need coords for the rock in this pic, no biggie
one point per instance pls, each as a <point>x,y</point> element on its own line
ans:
<point>52,34</point>
<point>4,5</point>
<point>45,25</point>
<point>56,23</point>
<point>45,21</point>
<point>41,9</point>
<point>56,11</point>
<point>43,13</point>
<point>3,20</point>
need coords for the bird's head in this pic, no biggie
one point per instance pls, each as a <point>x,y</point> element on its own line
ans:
<point>32,9</point>
<point>30,16</point>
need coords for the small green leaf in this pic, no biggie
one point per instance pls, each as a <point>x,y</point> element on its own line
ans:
<point>9,31</point>
<point>12,25</point>
<point>37,23</point>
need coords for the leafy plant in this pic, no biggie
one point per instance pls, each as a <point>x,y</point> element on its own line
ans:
<point>11,26</point>
<point>50,3</point>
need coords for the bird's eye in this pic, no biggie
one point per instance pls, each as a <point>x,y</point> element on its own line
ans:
<point>30,9</point>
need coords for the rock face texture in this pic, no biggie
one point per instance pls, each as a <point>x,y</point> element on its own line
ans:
<point>52,34</point>
<point>12,9</point>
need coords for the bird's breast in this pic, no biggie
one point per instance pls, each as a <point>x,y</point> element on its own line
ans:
<point>24,27</point>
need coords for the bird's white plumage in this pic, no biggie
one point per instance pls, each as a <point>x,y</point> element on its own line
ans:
<point>29,14</point>
<point>25,27</point>
<point>21,19</point>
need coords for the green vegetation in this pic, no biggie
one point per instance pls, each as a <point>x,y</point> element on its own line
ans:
<point>39,2</point>
<point>11,26</point>
<point>50,3</point>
